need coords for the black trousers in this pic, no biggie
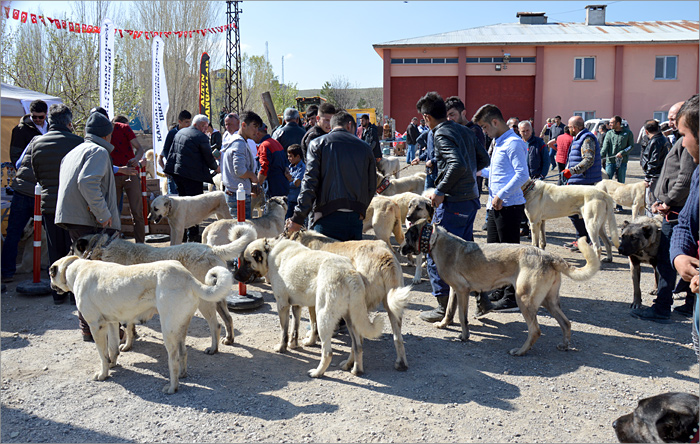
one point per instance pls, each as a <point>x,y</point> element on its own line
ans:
<point>503,227</point>
<point>58,243</point>
<point>189,187</point>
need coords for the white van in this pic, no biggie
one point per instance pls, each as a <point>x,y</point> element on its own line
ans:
<point>592,124</point>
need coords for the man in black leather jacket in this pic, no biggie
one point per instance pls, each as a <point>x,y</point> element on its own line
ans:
<point>339,182</point>
<point>459,156</point>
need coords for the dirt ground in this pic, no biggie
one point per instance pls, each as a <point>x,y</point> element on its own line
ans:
<point>452,391</point>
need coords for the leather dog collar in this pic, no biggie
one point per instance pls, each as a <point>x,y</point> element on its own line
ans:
<point>424,240</point>
<point>383,186</point>
<point>529,187</point>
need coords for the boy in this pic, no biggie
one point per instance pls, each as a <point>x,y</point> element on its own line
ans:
<point>294,176</point>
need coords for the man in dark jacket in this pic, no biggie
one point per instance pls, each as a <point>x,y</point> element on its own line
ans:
<point>273,163</point>
<point>371,136</point>
<point>322,126</point>
<point>31,125</point>
<point>339,182</point>
<point>412,133</point>
<point>653,155</point>
<point>291,132</point>
<point>189,162</point>
<point>458,157</point>
<point>47,152</point>
<point>184,120</point>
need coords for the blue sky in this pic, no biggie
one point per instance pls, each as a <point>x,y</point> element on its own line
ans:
<point>322,40</point>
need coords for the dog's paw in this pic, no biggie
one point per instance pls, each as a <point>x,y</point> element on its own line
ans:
<point>169,389</point>
<point>443,324</point>
<point>401,365</point>
<point>516,352</point>
<point>211,350</point>
<point>281,348</point>
<point>416,281</point>
<point>183,373</point>
<point>315,373</point>
<point>356,370</point>
<point>636,305</point>
<point>607,260</point>
<point>563,347</point>
<point>227,341</point>
<point>464,337</point>
<point>99,376</point>
<point>293,344</point>
<point>345,365</point>
<point>124,347</point>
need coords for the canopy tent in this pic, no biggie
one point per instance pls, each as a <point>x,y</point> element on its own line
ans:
<point>15,104</point>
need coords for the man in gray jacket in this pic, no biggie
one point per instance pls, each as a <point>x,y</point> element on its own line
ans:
<point>87,196</point>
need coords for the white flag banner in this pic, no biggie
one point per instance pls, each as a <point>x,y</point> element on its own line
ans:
<point>107,66</point>
<point>160,99</point>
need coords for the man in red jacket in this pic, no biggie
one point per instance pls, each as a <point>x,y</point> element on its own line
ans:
<point>273,163</point>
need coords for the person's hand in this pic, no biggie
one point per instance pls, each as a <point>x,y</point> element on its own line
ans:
<point>436,200</point>
<point>429,163</point>
<point>695,284</point>
<point>415,161</point>
<point>663,208</point>
<point>686,266</point>
<point>566,173</point>
<point>129,171</point>
<point>287,175</point>
<point>497,203</point>
<point>619,155</point>
<point>291,226</point>
<point>107,223</point>
<point>133,162</point>
<point>143,162</point>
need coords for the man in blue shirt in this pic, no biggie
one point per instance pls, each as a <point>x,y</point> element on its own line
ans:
<point>507,173</point>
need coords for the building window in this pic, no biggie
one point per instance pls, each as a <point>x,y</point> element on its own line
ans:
<point>666,67</point>
<point>661,116</point>
<point>587,115</point>
<point>584,68</point>
<point>499,60</point>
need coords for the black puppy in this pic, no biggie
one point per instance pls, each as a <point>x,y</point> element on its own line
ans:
<point>639,241</point>
<point>668,417</point>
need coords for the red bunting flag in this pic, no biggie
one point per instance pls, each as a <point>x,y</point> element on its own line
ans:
<point>41,17</point>
<point>33,18</point>
<point>70,26</point>
<point>84,26</point>
<point>7,12</point>
<point>90,29</point>
<point>24,17</point>
<point>63,24</point>
<point>15,14</point>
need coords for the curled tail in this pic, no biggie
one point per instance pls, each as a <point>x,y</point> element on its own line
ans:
<point>587,272</point>
<point>217,285</point>
<point>241,235</point>
<point>398,299</point>
<point>612,224</point>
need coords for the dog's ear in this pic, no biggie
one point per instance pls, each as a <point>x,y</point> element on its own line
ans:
<point>677,426</point>
<point>625,224</point>
<point>53,271</point>
<point>648,231</point>
<point>266,245</point>
<point>431,211</point>
<point>79,246</point>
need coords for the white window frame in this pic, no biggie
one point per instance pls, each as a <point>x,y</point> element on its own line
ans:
<point>665,69</point>
<point>580,76</point>
<point>661,116</point>
<point>586,115</point>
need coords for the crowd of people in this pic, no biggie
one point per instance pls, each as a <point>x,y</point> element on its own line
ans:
<point>326,166</point>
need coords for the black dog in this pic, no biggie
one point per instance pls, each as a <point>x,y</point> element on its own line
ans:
<point>640,242</point>
<point>668,417</point>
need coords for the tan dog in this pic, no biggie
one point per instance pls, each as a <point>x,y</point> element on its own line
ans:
<point>415,184</point>
<point>269,225</point>
<point>390,166</point>
<point>310,278</point>
<point>150,164</point>
<point>197,258</point>
<point>107,294</point>
<point>629,195</point>
<point>188,211</point>
<point>468,266</point>
<point>546,201</point>
<point>375,261</point>
<point>383,216</point>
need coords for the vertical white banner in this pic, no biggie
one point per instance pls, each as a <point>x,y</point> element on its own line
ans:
<point>160,98</point>
<point>107,66</point>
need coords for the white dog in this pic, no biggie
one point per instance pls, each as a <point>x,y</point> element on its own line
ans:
<point>269,225</point>
<point>188,211</point>
<point>415,184</point>
<point>310,278</point>
<point>625,195</point>
<point>383,215</point>
<point>390,166</point>
<point>107,294</point>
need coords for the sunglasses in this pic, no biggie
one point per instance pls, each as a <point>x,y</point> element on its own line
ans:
<point>38,117</point>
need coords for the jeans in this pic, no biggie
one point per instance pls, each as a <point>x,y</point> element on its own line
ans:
<point>552,158</point>
<point>290,209</point>
<point>667,274</point>
<point>429,180</point>
<point>458,219</point>
<point>341,225</point>
<point>189,187</point>
<point>410,152</point>
<point>611,169</point>
<point>172,188</point>
<point>233,206</point>
<point>21,210</point>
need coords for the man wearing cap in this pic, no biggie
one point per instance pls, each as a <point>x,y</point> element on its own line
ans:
<point>87,196</point>
<point>272,158</point>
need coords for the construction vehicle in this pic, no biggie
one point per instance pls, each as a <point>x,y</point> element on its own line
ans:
<point>304,102</point>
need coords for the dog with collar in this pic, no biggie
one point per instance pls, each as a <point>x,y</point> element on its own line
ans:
<point>469,266</point>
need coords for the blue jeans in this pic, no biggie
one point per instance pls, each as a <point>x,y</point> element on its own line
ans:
<point>410,152</point>
<point>552,158</point>
<point>341,225</point>
<point>611,169</point>
<point>290,209</point>
<point>458,219</point>
<point>429,180</point>
<point>233,206</point>
<point>21,210</point>
<point>172,188</point>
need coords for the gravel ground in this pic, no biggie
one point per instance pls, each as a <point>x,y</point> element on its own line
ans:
<point>452,391</point>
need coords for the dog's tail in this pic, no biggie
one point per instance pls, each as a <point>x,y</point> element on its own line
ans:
<point>398,299</point>
<point>217,285</point>
<point>587,272</point>
<point>612,225</point>
<point>241,235</point>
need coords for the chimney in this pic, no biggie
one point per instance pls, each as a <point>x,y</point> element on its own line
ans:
<point>595,15</point>
<point>532,18</point>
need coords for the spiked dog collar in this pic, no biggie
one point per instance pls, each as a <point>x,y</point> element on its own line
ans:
<point>529,187</point>
<point>424,240</point>
<point>383,186</point>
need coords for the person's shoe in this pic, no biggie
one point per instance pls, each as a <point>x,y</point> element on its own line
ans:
<point>649,314</point>
<point>505,305</point>
<point>87,337</point>
<point>574,248</point>
<point>569,244</point>
<point>483,305</point>
<point>496,295</point>
<point>685,310</point>
<point>7,279</point>
<point>618,209</point>
<point>483,227</point>
<point>438,313</point>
